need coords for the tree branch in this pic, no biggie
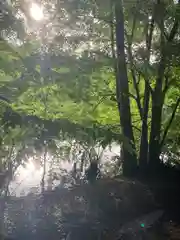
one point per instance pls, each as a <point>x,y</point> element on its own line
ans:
<point>173,31</point>
<point>134,22</point>
<point>167,85</point>
<point>133,96</point>
<point>145,79</point>
<point>113,98</point>
<point>138,129</point>
<point>99,102</point>
<point>134,77</point>
<point>129,42</point>
<point>111,24</point>
<point>175,26</point>
<point>170,122</point>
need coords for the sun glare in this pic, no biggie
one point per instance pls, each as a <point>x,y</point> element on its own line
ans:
<point>36,12</point>
<point>27,171</point>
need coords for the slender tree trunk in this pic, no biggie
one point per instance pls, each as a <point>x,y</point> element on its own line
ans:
<point>158,94</point>
<point>157,104</point>
<point>143,156</point>
<point>44,170</point>
<point>122,93</point>
<point>154,145</point>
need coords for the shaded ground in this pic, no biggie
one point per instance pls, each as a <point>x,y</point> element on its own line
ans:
<point>166,191</point>
<point>111,209</point>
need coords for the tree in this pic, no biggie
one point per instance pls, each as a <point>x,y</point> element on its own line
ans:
<point>122,92</point>
<point>162,83</point>
<point>112,62</point>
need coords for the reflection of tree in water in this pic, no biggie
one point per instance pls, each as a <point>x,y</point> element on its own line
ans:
<point>68,158</point>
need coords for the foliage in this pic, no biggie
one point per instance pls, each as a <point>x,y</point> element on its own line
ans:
<point>60,82</point>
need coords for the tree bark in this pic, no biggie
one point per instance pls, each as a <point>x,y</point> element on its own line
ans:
<point>157,104</point>
<point>157,96</point>
<point>143,155</point>
<point>122,93</point>
<point>154,145</point>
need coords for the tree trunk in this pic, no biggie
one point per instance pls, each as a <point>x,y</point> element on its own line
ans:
<point>157,101</point>
<point>144,147</point>
<point>143,156</point>
<point>44,170</point>
<point>154,145</point>
<point>122,93</point>
<point>157,104</point>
